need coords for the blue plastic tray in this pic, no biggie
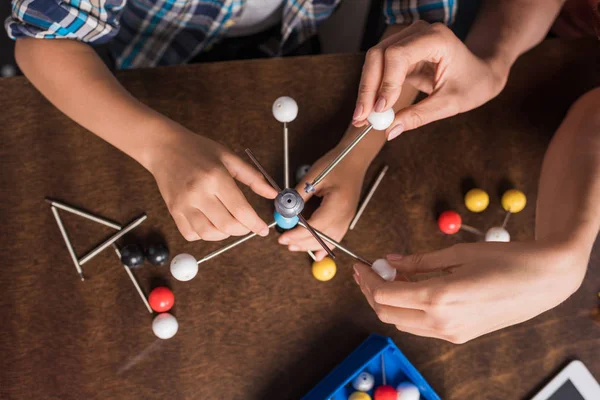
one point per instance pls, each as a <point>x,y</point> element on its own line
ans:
<point>367,357</point>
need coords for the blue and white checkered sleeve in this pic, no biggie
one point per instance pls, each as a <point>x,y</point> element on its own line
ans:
<point>90,21</point>
<point>409,11</point>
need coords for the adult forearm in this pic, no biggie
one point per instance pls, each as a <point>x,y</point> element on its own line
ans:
<point>505,29</point>
<point>73,78</point>
<point>568,206</point>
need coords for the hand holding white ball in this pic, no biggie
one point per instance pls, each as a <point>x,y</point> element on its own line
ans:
<point>384,269</point>
<point>285,109</point>
<point>383,120</point>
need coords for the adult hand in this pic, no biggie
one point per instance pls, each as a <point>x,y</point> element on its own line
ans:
<point>340,191</point>
<point>433,60</point>
<point>487,286</point>
<point>195,176</point>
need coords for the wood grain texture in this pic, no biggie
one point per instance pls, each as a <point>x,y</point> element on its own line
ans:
<point>254,324</point>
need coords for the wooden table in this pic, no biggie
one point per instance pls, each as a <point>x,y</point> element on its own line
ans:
<point>254,324</point>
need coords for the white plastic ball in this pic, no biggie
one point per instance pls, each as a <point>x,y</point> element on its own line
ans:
<point>165,326</point>
<point>301,172</point>
<point>497,234</point>
<point>285,109</point>
<point>384,269</point>
<point>184,267</point>
<point>363,382</point>
<point>408,391</point>
<point>381,121</point>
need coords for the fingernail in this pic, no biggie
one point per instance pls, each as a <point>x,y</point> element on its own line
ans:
<point>284,241</point>
<point>356,279</point>
<point>294,248</point>
<point>396,131</point>
<point>380,105</point>
<point>264,232</point>
<point>357,111</point>
<point>395,257</point>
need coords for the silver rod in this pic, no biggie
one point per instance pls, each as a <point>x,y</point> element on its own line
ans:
<point>367,199</point>
<point>472,230</point>
<point>310,187</point>
<point>286,157</point>
<point>339,246</point>
<point>112,239</point>
<point>231,245</point>
<point>262,170</point>
<point>508,213</point>
<point>84,214</point>
<point>316,236</point>
<point>312,255</point>
<point>133,280</point>
<point>63,232</point>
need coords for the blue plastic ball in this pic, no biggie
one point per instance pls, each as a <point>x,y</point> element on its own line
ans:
<point>285,223</point>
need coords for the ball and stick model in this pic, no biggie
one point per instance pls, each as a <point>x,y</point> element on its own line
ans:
<point>161,299</point>
<point>289,204</point>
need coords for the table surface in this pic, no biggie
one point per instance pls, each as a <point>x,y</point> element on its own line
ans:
<point>254,324</point>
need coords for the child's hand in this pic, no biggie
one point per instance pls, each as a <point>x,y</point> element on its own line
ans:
<point>488,286</point>
<point>195,177</point>
<point>340,191</point>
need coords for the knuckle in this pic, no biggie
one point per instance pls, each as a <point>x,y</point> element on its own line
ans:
<point>456,338</point>
<point>364,89</point>
<point>379,295</point>
<point>383,314</point>
<point>437,301</point>
<point>190,236</point>
<point>389,86</point>
<point>374,53</point>
<point>415,118</point>
<point>439,28</point>
<point>421,23</point>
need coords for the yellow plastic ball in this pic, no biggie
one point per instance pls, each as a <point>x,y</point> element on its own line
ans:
<point>477,200</point>
<point>514,200</point>
<point>324,270</point>
<point>359,396</point>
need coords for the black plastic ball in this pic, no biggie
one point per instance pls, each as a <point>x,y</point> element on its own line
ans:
<point>157,253</point>
<point>132,255</point>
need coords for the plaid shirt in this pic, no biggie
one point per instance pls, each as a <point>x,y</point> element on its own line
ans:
<point>146,33</point>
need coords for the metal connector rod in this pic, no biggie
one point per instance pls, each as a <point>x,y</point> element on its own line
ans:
<point>112,239</point>
<point>133,280</point>
<point>339,246</point>
<point>310,187</point>
<point>65,237</point>
<point>231,245</point>
<point>84,214</point>
<point>367,199</point>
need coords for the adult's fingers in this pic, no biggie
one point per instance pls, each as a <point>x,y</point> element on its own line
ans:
<point>397,315</point>
<point>415,295</point>
<point>249,176</point>
<point>372,73</point>
<point>203,227</point>
<point>233,199</point>
<point>419,263</point>
<point>438,105</point>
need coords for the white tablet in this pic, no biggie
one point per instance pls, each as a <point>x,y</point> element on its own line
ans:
<point>574,382</point>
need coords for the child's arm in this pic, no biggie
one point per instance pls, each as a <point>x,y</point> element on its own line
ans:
<point>194,174</point>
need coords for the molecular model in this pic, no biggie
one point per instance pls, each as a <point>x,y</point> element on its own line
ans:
<point>477,200</point>
<point>132,256</point>
<point>289,204</point>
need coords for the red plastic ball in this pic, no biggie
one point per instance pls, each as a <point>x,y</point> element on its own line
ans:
<point>385,392</point>
<point>161,299</point>
<point>449,222</point>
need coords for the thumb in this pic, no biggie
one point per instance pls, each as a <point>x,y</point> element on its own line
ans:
<point>434,107</point>
<point>419,263</point>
